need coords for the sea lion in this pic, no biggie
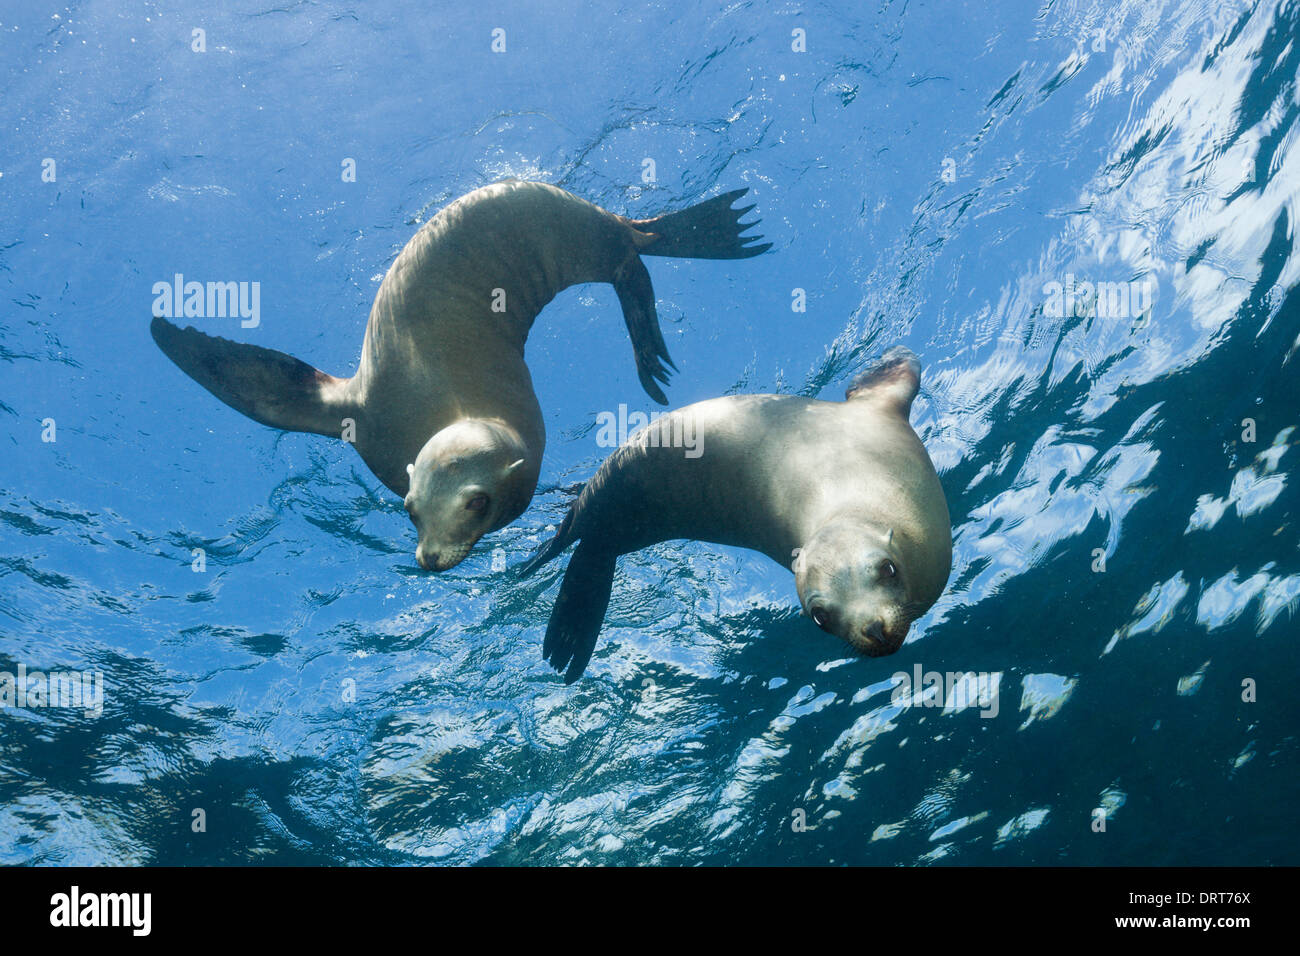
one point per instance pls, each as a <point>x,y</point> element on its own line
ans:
<point>843,492</point>
<point>442,407</point>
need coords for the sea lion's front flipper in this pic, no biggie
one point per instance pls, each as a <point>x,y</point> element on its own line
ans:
<point>269,387</point>
<point>579,610</point>
<point>552,548</point>
<point>894,379</point>
<point>637,297</point>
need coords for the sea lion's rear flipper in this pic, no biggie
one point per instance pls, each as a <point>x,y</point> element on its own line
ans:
<point>579,610</point>
<point>707,230</point>
<point>894,379</point>
<point>269,387</point>
<point>637,297</point>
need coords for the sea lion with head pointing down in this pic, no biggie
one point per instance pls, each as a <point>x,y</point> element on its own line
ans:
<point>442,406</point>
<point>843,490</point>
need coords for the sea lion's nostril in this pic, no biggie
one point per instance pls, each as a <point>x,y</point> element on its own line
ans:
<point>874,631</point>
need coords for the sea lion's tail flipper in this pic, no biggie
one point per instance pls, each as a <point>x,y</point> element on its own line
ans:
<point>269,387</point>
<point>708,230</point>
<point>579,610</point>
<point>637,297</point>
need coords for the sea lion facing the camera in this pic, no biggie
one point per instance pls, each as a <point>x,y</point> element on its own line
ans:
<point>843,492</point>
<point>442,407</point>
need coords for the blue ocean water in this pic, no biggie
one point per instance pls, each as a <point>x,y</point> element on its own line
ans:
<point>952,176</point>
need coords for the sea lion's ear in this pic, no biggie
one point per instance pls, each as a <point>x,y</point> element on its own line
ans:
<point>513,466</point>
<point>893,379</point>
<point>410,469</point>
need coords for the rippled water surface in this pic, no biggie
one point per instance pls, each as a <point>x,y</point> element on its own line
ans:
<point>1121,483</point>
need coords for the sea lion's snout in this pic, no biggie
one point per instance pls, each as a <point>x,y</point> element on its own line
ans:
<point>873,637</point>
<point>878,641</point>
<point>441,558</point>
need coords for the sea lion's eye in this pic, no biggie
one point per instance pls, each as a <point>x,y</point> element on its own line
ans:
<point>820,617</point>
<point>888,569</point>
<point>477,503</point>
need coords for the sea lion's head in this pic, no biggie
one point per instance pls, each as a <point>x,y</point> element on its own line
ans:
<point>856,580</point>
<point>468,479</point>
